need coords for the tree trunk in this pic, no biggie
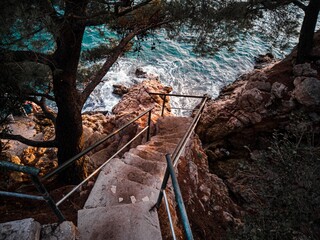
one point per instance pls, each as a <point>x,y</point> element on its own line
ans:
<point>307,31</point>
<point>68,99</point>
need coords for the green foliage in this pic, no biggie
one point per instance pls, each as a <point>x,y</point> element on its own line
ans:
<point>220,24</point>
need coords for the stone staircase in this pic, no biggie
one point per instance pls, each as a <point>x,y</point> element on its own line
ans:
<point>125,190</point>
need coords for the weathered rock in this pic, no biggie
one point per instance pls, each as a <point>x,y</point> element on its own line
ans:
<point>120,90</point>
<point>140,73</point>
<point>278,89</point>
<point>26,229</point>
<point>263,59</point>
<point>307,91</point>
<point>304,70</point>
<point>63,231</point>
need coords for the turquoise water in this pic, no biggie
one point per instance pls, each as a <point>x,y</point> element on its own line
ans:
<point>176,65</point>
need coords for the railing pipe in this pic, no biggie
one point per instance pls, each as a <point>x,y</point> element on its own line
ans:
<point>47,197</point>
<point>163,187</point>
<point>149,126</point>
<point>176,95</point>
<point>21,195</point>
<point>84,152</point>
<point>99,168</point>
<point>169,215</point>
<point>181,207</point>
<point>163,104</point>
<point>189,132</point>
<point>19,168</point>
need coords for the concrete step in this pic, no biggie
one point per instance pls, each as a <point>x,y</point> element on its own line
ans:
<point>155,168</point>
<point>130,221</point>
<point>112,190</point>
<point>118,168</point>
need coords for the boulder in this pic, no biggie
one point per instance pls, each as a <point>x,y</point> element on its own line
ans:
<point>307,92</point>
<point>304,70</point>
<point>119,89</point>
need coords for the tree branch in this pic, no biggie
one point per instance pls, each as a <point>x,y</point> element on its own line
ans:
<point>23,37</point>
<point>20,56</point>
<point>29,142</point>
<point>47,8</point>
<point>52,98</point>
<point>96,79</point>
<point>101,16</point>
<point>42,104</point>
<point>114,55</point>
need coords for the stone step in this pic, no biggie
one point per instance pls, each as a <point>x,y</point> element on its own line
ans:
<point>130,221</point>
<point>118,168</point>
<point>149,154</point>
<point>155,168</point>
<point>112,190</point>
<point>168,138</point>
<point>98,158</point>
<point>164,148</point>
<point>173,124</point>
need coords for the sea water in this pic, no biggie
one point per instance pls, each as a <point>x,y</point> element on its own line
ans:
<point>176,65</point>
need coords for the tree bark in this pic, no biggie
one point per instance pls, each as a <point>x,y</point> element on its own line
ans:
<point>68,99</point>
<point>307,31</point>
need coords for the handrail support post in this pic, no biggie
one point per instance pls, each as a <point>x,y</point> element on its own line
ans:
<point>47,197</point>
<point>149,126</point>
<point>163,104</point>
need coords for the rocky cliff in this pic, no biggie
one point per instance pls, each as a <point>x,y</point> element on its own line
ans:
<point>261,136</point>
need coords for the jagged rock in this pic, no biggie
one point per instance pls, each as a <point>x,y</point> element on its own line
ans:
<point>306,92</point>
<point>278,89</point>
<point>63,231</point>
<point>27,229</point>
<point>140,73</point>
<point>120,90</point>
<point>263,59</point>
<point>202,191</point>
<point>15,159</point>
<point>251,99</point>
<point>304,70</point>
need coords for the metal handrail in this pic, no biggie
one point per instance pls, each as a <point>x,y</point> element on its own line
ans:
<point>84,152</point>
<point>99,168</point>
<point>173,95</point>
<point>34,172</point>
<point>170,172</point>
<point>179,199</point>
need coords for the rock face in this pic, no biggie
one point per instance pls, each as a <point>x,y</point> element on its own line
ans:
<point>257,98</point>
<point>239,126</point>
<point>133,103</point>
<point>211,211</point>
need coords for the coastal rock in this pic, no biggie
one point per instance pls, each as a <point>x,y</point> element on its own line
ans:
<point>304,70</point>
<point>120,90</point>
<point>306,92</point>
<point>201,191</point>
<point>137,100</point>
<point>278,90</point>
<point>140,73</point>
<point>263,59</point>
